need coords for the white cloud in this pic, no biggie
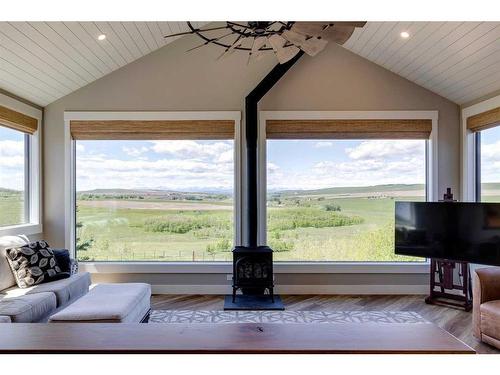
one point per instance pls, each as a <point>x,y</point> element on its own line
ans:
<point>384,148</point>
<point>491,152</point>
<point>373,162</point>
<point>226,157</point>
<point>490,162</point>
<point>272,168</point>
<point>210,169</point>
<point>323,144</point>
<point>135,151</point>
<point>11,148</point>
<point>192,149</point>
<point>12,164</point>
<point>80,147</point>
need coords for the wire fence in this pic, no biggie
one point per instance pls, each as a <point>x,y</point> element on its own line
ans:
<point>154,255</point>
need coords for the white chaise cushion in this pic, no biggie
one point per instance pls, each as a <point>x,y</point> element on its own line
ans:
<point>109,303</point>
<point>4,319</point>
<point>6,242</point>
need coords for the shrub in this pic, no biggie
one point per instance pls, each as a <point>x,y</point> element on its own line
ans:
<point>280,245</point>
<point>220,246</point>
<point>181,223</point>
<point>332,207</point>
<point>294,218</point>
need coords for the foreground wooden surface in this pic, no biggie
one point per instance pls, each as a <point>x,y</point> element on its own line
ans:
<point>457,322</point>
<point>341,338</point>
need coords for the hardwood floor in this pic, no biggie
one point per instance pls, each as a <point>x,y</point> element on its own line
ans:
<point>456,322</point>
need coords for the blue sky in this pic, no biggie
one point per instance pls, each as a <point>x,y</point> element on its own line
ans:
<point>171,165</point>
<point>490,155</point>
<point>312,164</point>
<point>208,165</point>
<point>11,159</point>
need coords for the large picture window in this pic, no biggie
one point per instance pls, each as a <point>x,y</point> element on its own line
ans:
<point>14,177</point>
<point>160,190</point>
<point>334,200</point>
<point>332,186</point>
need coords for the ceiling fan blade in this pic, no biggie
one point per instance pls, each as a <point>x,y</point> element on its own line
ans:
<point>276,41</point>
<point>294,37</point>
<point>257,44</point>
<point>309,28</point>
<point>338,34</point>
<point>237,24</point>
<point>311,46</point>
<point>283,53</point>
<point>286,53</point>
<point>209,41</point>
<point>318,26</point>
<point>229,50</point>
<point>350,23</point>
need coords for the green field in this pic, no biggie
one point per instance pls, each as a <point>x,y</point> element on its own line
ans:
<point>328,225</point>
<point>11,207</point>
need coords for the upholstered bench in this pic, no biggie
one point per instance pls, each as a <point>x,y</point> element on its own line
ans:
<point>109,303</point>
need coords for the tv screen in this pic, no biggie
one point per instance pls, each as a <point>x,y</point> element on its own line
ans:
<point>467,232</point>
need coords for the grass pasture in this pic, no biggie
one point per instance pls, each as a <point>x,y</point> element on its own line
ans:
<point>11,207</point>
<point>327,225</point>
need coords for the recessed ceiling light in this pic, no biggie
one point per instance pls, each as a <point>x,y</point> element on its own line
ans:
<point>101,37</point>
<point>405,34</point>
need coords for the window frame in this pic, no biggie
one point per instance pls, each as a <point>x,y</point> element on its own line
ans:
<point>70,178</point>
<point>340,266</point>
<point>470,158</point>
<point>32,168</point>
<point>139,267</point>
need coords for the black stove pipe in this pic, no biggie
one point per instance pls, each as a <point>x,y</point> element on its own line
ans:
<point>251,131</point>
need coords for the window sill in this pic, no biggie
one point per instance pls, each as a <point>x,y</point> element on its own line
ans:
<point>16,230</point>
<point>226,267</point>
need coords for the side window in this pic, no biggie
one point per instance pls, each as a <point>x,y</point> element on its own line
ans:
<point>14,177</point>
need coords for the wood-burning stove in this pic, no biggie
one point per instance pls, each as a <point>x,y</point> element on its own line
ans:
<point>253,270</point>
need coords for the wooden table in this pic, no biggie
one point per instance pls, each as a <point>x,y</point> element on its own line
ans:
<point>228,338</point>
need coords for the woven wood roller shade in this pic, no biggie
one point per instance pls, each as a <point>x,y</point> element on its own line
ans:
<point>484,120</point>
<point>17,121</point>
<point>152,130</point>
<point>348,129</point>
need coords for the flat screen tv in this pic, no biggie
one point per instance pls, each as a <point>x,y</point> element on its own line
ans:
<point>467,232</point>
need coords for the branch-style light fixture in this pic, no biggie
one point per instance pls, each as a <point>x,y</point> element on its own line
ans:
<point>285,39</point>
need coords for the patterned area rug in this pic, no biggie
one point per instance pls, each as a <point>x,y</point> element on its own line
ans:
<point>205,316</point>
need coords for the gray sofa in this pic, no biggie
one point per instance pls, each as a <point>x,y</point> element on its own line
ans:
<point>37,303</point>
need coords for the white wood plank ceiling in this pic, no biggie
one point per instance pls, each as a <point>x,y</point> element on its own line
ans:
<point>457,60</point>
<point>43,61</point>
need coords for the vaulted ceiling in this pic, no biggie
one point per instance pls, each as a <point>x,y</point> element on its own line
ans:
<point>43,61</point>
<point>457,60</point>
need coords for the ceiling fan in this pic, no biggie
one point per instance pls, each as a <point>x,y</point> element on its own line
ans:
<point>285,39</point>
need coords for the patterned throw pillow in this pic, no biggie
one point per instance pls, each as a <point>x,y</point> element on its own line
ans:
<point>34,264</point>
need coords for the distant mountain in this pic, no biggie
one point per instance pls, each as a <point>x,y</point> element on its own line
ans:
<point>353,189</point>
<point>147,192</point>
